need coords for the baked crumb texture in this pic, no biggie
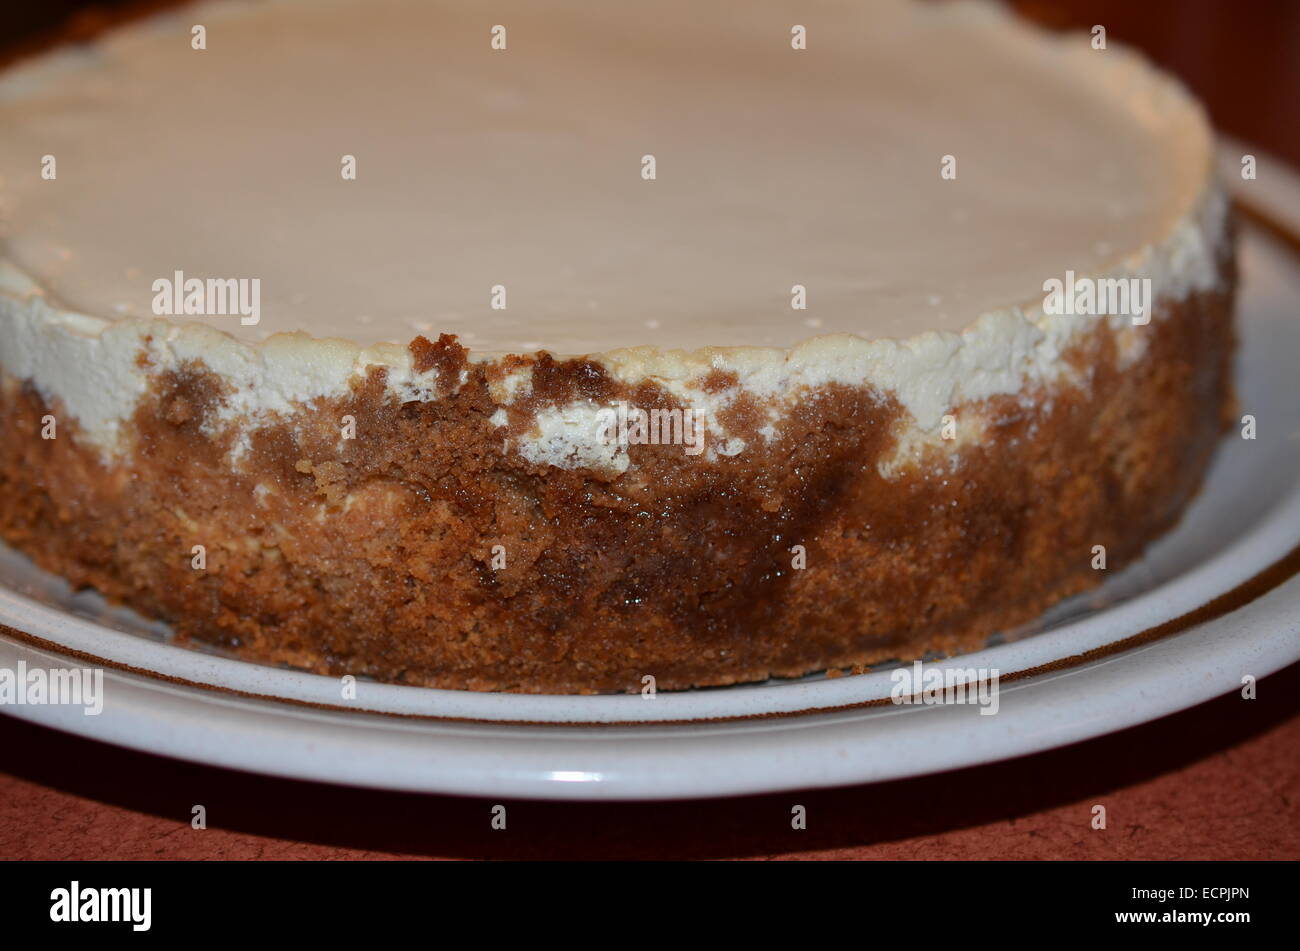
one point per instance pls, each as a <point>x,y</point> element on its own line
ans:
<point>374,556</point>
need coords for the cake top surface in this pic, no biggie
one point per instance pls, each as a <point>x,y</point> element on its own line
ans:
<point>525,168</point>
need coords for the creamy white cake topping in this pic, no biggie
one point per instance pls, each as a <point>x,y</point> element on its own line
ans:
<point>524,169</point>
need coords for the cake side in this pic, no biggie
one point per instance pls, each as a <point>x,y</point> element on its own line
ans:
<point>429,551</point>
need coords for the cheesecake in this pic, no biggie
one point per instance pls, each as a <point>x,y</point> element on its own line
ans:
<point>576,347</point>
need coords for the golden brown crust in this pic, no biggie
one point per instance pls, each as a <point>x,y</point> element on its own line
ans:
<point>373,556</point>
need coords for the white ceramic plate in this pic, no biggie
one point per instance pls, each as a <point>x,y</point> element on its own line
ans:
<point>813,732</point>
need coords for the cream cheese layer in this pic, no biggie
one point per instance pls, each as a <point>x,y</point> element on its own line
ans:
<point>671,187</point>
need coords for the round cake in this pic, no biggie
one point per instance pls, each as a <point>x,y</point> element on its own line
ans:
<point>556,347</point>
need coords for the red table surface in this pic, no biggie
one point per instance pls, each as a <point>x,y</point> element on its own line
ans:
<point>1219,781</point>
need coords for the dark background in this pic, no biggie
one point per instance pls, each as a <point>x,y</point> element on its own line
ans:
<point>1221,780</point>
<point>1240,57</point>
